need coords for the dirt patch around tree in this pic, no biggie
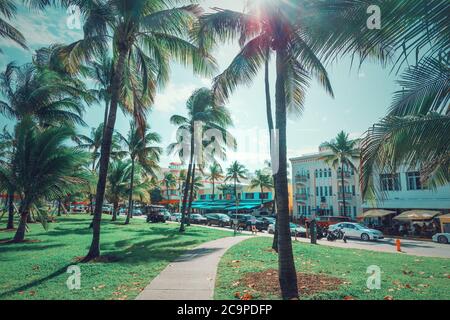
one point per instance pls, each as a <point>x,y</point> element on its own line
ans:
<point>308,284</point>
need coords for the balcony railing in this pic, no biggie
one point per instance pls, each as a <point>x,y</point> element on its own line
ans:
<point>301,196</point>
<point>347,195</point>
<point>299,178</point>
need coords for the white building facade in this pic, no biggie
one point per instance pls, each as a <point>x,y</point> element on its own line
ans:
<point>317,187</point>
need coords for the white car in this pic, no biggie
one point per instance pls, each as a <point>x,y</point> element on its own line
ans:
<point>356,230</point>
<point>441,237</point>
<point>295,229</point>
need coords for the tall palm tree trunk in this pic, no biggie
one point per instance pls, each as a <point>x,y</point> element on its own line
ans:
<point>191,195</point>
<point>343,189</point>
<point>213,184</point>
<point>10,224</point>
<point>187,185</point>
<point>24,213</point>
<point>286,273</point>
<point>114,214</point>
<point>270,127</point>
<point>130,196</point>
<point>59,208</point>
<point>105,151</point>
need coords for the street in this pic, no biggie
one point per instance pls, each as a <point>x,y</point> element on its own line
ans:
<point>410,247</point>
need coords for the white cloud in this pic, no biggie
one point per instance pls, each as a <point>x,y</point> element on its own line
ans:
<point>173,96</point>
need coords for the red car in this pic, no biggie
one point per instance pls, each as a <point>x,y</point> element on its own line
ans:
<point>326,221</point>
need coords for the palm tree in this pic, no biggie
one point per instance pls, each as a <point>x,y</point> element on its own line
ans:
<point>344,152</point>
<point>44,168</point>
<point>101,71</point>
<point>146,35</point>
<point>235,172</point>
<point>7,143</point>
<point>8,11</point>
<point>203,115</point>
<point>262,181</point>
<point>215,173</point>
<point>117,189</point>
<point>169,181</point>
<point>416,131</point>
<point>93,143</point>
<point>139,148</point>
<point>181,180</point>
<point>43,94</point>
<point>273,27</point>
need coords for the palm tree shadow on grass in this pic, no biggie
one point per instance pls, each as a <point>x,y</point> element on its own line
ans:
<point>36,282</point>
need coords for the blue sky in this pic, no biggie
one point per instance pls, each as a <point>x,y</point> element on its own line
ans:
<point>362,96</point>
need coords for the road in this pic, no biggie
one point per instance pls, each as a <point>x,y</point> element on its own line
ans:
<point>410,247</point>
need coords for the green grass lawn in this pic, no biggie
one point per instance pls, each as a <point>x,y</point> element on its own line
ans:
<point>37,270</point>
<point>402,276</point>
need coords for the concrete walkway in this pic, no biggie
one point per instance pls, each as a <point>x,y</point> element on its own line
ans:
<point>193,275</point>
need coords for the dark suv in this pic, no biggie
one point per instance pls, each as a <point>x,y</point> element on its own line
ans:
<point>245,221</point>
<point>218,219</point>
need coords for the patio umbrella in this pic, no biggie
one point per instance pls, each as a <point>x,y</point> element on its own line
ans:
<point>375,213</point>
<point>417,215</point>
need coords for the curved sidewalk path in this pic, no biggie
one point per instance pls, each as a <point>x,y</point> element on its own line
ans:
<point>192,276</point>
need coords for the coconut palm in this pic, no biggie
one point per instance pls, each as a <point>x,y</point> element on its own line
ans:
<point>43,94</point>
<point>8,11</point>
<point>140,149</point>
<point>193,136</point>
<point>6,156</point>
<point>235,172</point>
<point>169,180</point>
<point>181,181</point>
<point>45,168</point>
<point>101,71</point>
<point>344,152</point>
<point>118,184</point>
<point>215,173</point>
<point>262,181</point>
<point>146,35</point>
<point>416,131</point>
<point>271,28</point>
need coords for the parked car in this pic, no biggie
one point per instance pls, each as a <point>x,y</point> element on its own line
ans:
<point>107,209</point>
<point>167,214</point>
<point>356,230</point>
<point>197,218</point>
<point>441,238</point>
<point>219,219</point>
<point>137,212</point>
<point>326,221</point>
<point>122,211</point>
<point>176,216</point>
<point>296,230</point>
<point>245,221</point>
<point>264,222</point>
<point>155,213</point>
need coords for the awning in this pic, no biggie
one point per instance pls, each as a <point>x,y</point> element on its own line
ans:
<point>417,215</point>
<point>375,213</point>
<point>445,218</point>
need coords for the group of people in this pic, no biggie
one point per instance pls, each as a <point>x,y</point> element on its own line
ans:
<point>416,228</point>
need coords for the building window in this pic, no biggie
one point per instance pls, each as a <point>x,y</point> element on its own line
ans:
<point>321,191</point>
<point>413,181</point>
<point>390,182</point>
<point>326,191</point>
<point>315,173</point>
<point>330,190</point>
<point>203,196</point>
<point>353,190</point>
<point>354,211</point>
<point>317,191</point>
<point>320,173</point>
<point>250,196</point>
<point>329,172</point>
<point>239,195</point>
<point>264,195</point>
